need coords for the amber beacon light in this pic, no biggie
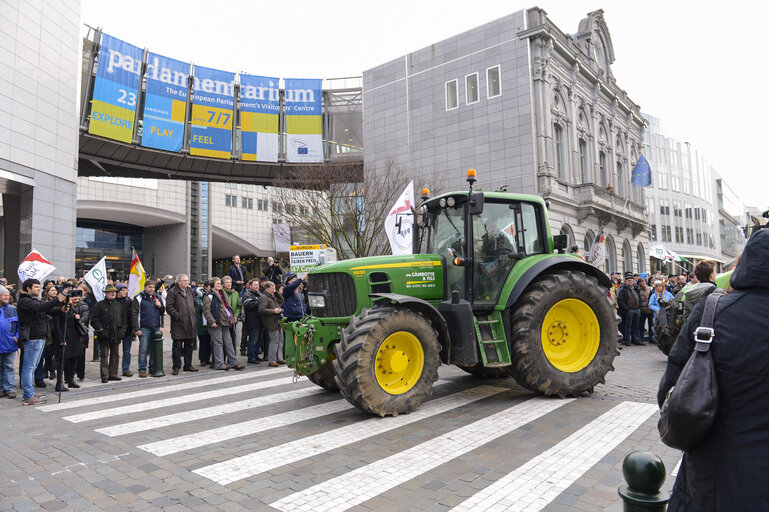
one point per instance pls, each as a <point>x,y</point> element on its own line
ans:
<point>425,194</point>
<point>471,175</point>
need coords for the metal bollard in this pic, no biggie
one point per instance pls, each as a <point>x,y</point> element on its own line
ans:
<point>644,473</point>
<point>157,347</point>
<point>96,351</point>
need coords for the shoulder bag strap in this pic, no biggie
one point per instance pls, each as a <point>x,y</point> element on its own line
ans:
<point>704,334</point>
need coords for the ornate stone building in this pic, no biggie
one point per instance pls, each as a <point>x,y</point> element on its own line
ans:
<point>532,109</point>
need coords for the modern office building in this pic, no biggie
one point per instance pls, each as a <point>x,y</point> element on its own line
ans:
<point>39,66</point>
<point>692,210</point>
<point>531,108</point>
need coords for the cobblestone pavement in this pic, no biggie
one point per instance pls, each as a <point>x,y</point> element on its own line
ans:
<point>255,440</point>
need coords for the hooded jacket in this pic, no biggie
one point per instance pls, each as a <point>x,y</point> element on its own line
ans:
<point>293,303</point>
<point>728,470</point>
<point>9,329</point>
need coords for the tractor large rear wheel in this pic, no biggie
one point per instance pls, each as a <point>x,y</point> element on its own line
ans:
<point>387,360</point>
<point>564,335</point>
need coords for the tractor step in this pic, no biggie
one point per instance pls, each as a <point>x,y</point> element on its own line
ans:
<point>490,334</point>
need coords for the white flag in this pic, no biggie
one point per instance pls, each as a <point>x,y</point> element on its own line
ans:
<point>97,279</point>
<point>598,250</point>
<point>658,251</point>
<point>399,222</point>
<point>672,256</point>
<point>34,266</point>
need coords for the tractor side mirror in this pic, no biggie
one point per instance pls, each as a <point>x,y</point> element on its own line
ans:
<point>475,203</point>
<point>560,242</point>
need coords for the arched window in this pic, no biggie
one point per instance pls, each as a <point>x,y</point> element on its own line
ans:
<point>583,169</point>
<point>611,255</point>
<point>641,255</point>
<point>588,243</point>
<point>558,156</point>
<point>566,230</point>
<point>627,257</point>
<point>603,171</point>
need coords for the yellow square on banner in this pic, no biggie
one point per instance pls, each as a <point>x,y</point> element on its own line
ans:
<point>259,122</point>
<point>110,121</point>
<point>177,110</point>
<point>310,125</point>
<point>214,117</point>
<point>213,153</point>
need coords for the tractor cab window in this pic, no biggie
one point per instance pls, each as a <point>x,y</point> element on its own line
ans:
<point>446,230</point>
<point>504,233</point>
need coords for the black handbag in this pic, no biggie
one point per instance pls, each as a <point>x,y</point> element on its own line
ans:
<point>692,404</point>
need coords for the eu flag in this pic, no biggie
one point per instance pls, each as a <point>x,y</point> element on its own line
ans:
<point>642,173</point>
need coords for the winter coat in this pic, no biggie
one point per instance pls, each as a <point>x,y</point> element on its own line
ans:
<point>76,342</point>
<point>128,305</point>
<point>293,305</point>
<point>108,319</point>
<point>214,310</point>
<point>274,273</point>
<point>234,299</point>
<point>9,329</point>
<point>180,306</point>
<point>252,318</point>
<point>199,308</point>
<point>237,274</point>
<point>627,297</point>
<point>728,470</point>
<point>694,294</point>
<point>643,294</point>
<point>32,313</point>
<point>144,312</point>
<point>654,300</point>
<point>267,303</point>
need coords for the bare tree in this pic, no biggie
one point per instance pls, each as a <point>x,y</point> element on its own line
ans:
<point>341,205</point>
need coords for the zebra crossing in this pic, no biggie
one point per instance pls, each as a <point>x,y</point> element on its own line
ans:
<point>257,425</point>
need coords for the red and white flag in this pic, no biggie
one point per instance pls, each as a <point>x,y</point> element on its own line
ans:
<point>399,222</point>
<point>34,266</point>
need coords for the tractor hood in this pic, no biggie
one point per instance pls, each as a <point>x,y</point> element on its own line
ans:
<point>374,263</point>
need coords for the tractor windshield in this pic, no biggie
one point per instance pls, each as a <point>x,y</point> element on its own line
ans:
<point>445,230</point>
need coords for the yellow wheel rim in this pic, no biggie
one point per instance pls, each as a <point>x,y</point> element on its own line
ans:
<point>570,335</point>
<point>399,362</point>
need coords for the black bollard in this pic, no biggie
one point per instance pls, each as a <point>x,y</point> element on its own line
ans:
<point>96,350</point>
<point>644,473</point>
<point>157,347</point>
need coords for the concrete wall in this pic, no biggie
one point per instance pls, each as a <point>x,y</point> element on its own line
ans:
<point>166,250</point>
<point>39,69</point>
<point>406,120</point>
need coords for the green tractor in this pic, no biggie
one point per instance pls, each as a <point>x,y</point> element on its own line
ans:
<point>489,290</point>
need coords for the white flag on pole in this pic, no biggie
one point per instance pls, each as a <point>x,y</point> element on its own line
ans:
<point>97,279</point>
<point>399,222</point>
<point>34,266</point>
<point>598,250</point>
<point>658,251</point>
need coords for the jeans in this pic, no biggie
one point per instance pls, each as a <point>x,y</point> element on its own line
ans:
<point>144,348</point>
<point>127,342</point>
<point>7,377</point>
<point>255,341</point>
<point>647,320</point>
<point>632,320</point>
<point>33,350</point>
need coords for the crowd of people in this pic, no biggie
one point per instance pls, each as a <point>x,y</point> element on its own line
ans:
<point>640,296</point>
<point>50,326</point>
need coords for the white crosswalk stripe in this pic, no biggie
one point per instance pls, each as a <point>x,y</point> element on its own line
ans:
<point>110,398</point>
<point>258,462</point>
<point>362,484</point>
<point>535,484</point>
<point>227,432</point>
<point>176,400</point>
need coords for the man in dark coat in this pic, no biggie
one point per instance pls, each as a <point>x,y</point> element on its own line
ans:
<point>273,271</point>
<point>728,470</point>
<point>269,308</point>
<point>629,306</point>
<point>180,306</point>
<point>70,336</point>
<point>238,274</point>
<point>108,319</point>
<point>253,320</point>
<point>122,297</point>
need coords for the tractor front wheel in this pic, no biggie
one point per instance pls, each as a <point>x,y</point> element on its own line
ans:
<point>564,335</point>
<point>387,360</point>
<point>324,377</point>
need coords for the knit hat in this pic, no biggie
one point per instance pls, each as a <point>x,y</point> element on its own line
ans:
<point>3,290</point>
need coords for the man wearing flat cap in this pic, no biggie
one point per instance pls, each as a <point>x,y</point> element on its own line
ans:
<point>629,305</point>
<point>109,321</point>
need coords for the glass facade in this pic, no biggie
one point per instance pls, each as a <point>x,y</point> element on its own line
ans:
<point>97,239</point>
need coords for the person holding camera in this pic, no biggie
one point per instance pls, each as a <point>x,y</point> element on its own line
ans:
<point>273,271</point>
<point>108,319</point>
<point>33,328</point>
<point>270,310</point>
<point>70,337</point>
<point>293,300</point>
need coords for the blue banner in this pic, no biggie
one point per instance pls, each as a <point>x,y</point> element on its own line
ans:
<point>642,173</point>
<point>304,129</point>
<point>259,112</point>
<point>116,89</point>
<point>212,111</point>
<point>165,103</point>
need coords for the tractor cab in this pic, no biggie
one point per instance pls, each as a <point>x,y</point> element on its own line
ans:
<point>482,236</point>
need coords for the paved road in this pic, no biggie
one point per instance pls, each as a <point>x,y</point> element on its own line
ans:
<point>255,440</point>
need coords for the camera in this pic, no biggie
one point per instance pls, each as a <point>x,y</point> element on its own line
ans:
<point>69,290</point>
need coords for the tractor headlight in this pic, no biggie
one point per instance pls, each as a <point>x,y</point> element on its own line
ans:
<point>317,301</point>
